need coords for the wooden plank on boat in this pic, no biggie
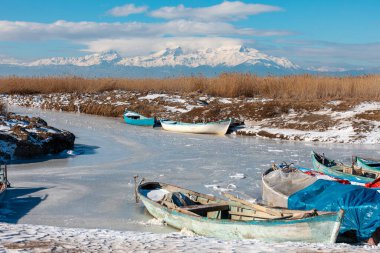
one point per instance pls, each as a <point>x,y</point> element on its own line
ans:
<point>207,207</point>
<point>257,215</point>
<point>264,209</point>
<point>178,209</point>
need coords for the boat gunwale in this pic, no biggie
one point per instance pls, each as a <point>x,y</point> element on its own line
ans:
<point>322,215</point>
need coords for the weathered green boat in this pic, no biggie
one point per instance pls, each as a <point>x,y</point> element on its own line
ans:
<point>368,164</point>
<point>338,170</point>
<point>236,219</point>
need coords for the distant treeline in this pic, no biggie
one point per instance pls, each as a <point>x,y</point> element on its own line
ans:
<point>302,87</point>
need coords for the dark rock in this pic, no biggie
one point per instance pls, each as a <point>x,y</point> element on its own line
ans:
<point>33,138</point>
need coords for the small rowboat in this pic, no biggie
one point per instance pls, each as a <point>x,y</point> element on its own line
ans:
<point>236,219</point>
<point>133,118</point>
<point>291,188</point>
<point>367,164</point>
<point>3,181</point>
<point>351,173</point>
<point>218,127</point>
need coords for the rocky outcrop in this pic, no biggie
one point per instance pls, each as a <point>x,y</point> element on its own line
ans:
<point>25,137</point>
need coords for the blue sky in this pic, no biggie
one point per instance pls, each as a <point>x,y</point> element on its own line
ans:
<point>313,33</point>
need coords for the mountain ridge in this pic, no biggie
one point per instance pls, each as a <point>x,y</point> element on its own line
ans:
<point>169,62</point>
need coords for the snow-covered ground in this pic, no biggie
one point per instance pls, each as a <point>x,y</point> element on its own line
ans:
<point>32,238</point>
<point>343,131</point>
<point>83,199</point>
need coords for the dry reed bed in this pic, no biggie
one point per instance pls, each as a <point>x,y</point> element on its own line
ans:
<point>296,87</point>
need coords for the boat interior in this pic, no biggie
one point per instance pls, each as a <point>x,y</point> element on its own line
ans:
<point>201,205</point>
<point>352,170</point>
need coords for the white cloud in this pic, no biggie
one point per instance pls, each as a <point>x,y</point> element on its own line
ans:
<point>144,46</point>
<point>10,30</point>
<point>126,10</point>
<point>74,31</point>
<point>224,11</point>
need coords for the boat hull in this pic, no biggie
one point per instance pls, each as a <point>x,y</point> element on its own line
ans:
<point>140,122</point>
<point>365,165</point>
<point>337,172</point>
<point>316,229</point>
<point>219,128</point>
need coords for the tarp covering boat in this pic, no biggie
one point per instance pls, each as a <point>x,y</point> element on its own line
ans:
<point>290,188</point>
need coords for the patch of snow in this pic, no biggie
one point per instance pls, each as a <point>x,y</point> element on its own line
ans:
<point>175,109</point>
<point>225,101</point>
<point>152,96</point>
<point>334,102</point>
<point>4,128</point>
<point>361,108</point>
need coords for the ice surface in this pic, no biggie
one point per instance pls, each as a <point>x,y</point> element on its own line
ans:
<point>95,189</point>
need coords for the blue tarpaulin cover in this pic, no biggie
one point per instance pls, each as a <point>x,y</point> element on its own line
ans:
<point>361,205</point>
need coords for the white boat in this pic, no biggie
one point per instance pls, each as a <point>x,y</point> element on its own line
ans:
<point>218,127</point>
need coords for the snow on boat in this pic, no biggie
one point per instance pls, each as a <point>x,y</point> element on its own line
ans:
<point>293,189</point>
<point>209,216</point>
<point>351,173</point>
<point>133,118</point>
<point>218,127</point>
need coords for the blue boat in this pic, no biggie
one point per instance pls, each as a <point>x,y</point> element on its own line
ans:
<point>133,118</point>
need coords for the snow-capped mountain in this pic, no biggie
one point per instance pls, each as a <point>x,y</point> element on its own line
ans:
<point>168,62</point>
<point>84,61</point>
<point>224,56</point>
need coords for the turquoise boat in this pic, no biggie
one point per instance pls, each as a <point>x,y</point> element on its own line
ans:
<point>236,219</point>
<point>133,118</point>
<point>367,164</point>
<point>341,171</point>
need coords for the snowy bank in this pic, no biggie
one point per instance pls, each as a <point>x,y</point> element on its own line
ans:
<point>317,121</point>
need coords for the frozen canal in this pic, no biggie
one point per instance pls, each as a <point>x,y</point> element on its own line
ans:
<point>92,187</point>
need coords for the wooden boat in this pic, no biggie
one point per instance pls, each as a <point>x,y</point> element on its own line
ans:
<point>351,173</point>
<point>236,219</point>
<point>3,181</point>
<point>218,127</point>
<point>136,119</point>
<point>367,164</point>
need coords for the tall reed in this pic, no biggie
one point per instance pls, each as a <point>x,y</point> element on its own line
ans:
<point>301,87</point>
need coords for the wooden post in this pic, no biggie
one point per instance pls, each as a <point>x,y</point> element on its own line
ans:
<point>136,195</point>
